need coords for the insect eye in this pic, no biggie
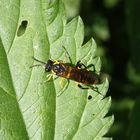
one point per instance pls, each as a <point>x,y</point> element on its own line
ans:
<point>48,66</point>
<point>47,69</point>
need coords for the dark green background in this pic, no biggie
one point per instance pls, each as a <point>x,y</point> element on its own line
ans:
<point>115,26</point>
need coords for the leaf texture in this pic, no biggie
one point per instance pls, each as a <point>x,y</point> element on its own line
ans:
<point>29,106</point>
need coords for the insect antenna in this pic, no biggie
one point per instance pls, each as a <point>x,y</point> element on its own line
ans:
<point>42,63</point>
<point>67,54</point>
<point>38,60</point>
<point>35,66</point>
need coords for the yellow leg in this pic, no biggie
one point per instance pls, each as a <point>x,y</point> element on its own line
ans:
<point>49,76</point>
<point>63,87</point>
<point>61,82</point>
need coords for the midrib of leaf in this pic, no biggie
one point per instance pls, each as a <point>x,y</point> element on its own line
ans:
<point>51,42</point>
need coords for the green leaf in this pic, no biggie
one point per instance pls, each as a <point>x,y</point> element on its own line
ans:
<point>29,106</point>
<point>72,7</point>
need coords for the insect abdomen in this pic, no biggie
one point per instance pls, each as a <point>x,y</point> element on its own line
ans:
<point>84,76</point>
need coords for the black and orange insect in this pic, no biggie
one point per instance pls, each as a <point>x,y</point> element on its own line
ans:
<point>78,73</point>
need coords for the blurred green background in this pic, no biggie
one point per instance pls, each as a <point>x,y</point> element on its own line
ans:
<point>115,26</point>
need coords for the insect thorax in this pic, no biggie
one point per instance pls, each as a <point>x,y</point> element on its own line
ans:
<point>58,68</point>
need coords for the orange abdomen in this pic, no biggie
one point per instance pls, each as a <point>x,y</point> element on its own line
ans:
<point>79,75</point>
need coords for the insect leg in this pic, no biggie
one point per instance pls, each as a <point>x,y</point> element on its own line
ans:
<point>96,90</point>
<point>80,86</point>
<point>91,65</point>
<point>64,88</point>
<point>49,76</point>
<point>90,87</point>
<point>79,65</point>
<point>61,81</point>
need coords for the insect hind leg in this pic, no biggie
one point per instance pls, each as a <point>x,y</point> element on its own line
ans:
<point>80,86</point>
<point>90,87</point>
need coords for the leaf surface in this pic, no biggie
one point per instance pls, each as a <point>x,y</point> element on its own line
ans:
<point>29,106</point>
